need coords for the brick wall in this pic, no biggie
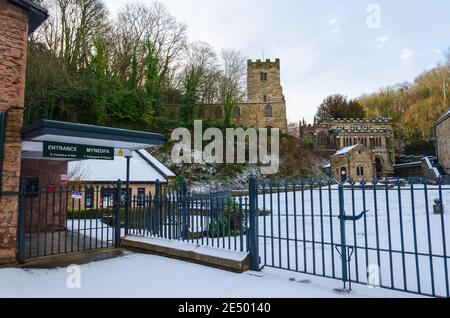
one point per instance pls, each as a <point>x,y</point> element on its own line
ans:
<point>13,52</point>
<point>48,172</point>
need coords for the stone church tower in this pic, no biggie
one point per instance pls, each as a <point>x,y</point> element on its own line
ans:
<point>264,82</point>
<point>265,106</point>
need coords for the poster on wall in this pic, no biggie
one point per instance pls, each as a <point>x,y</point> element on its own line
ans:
<point>77,195</point>
<point>64,180</point>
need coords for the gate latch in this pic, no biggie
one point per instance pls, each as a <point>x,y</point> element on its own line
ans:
<point>352,218</point>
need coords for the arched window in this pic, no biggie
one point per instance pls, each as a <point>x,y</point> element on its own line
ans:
<point>237,112</point>
<point>268,111</point>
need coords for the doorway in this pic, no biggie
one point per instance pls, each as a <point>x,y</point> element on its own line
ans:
<point>378,167</point>
<point>343,174</point>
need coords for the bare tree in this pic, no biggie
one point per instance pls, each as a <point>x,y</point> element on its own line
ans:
<point>137,24</point>
<point>78,171</point>
<point>199,78</point>
<point>231,82</point>
<point>72,28</point>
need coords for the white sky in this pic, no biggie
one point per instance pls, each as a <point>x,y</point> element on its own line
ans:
<point>325,46</point>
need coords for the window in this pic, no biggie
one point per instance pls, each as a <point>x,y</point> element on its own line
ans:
<point>237,112</point>
<point>141,196</point>
<point>360,171</point>
<point>107,198</point>
<point>378,142</point>
<point>265,98</point>
<point>89,198</point>
<point>263,77</point>
<point>268,111</point>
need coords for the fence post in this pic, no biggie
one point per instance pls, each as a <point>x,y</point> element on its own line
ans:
<point>184,196</point>
<point>118,199</point>
<point>342,231</point>
<point>128,197</point>
<point>21,238</point>
<point>253,223</point>
<point>155,211</point>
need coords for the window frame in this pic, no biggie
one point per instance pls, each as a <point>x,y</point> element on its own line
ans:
<point>263,76</point>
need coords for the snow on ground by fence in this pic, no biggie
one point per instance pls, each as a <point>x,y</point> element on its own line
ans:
<point>399,233</point>
<point>391,215</point>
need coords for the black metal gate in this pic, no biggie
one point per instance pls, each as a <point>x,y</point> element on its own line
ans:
<point>58,219</point>
<point>391,234</point>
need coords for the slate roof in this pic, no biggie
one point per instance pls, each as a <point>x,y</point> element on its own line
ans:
<point>344,151</point>
<point>443,117</point>
<point>36,14</point>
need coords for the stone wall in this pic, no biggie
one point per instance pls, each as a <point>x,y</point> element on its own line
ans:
<point>13,52</point>
<point>269,90</point>
<point>443,144</point>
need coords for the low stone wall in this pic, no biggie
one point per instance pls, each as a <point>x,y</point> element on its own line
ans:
<point>191,255</point>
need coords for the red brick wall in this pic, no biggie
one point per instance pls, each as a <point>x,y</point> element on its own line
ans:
<point>48,172</point>
<point>13,52</point>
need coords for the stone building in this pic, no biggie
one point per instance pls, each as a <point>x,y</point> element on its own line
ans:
<point>18,19</point>
<point>353,162</point>
<point>265,106</point>
<point>443,142</point>
<point>374,134</point>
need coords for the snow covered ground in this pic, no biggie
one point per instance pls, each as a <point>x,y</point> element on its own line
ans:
<point>397,227</point>
<point>139,275</point>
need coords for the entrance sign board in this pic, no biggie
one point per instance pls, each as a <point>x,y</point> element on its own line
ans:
<point>75,151</point>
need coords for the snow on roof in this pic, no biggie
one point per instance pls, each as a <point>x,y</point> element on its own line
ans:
<point>162,169</point>
<point>443,117</point>
<point>110,171</point>
<point>345,150</point>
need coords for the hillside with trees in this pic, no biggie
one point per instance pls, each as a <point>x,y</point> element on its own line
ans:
<point>86,65</point>
<point>414,107</point>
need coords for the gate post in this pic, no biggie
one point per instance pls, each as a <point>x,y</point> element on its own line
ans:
<point>342,231</point>
<point>118,199</point>
<point>253,223</point>
<point>128,197</point>
<point>21,238</point>
<point>155,215</point>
